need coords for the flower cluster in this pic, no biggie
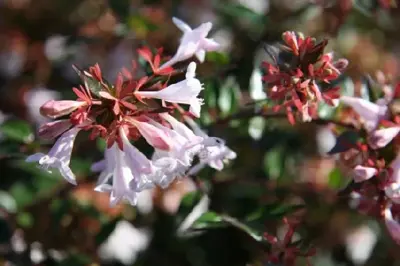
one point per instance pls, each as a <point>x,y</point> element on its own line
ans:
<point>376,164</point>
<point>131,108</point>
<point>303,81</point>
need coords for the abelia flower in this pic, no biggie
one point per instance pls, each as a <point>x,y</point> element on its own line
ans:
<point>214,154</point>
<point>382,137</point>
<point>392,189</point>
<point>193,42</point>
<point>184,148</point>
<point>183,92</point>
<point>59,155</point>
<point>392,225</point>
<point>121,178</point>
<point>362,173</point>
<point>153,135</point>
<point>126,111</point>
<point>53,129</point>
<point>371,113</point>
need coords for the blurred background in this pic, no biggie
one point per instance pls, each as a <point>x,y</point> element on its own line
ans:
<point>46,221</point>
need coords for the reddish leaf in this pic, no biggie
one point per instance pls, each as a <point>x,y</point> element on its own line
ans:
<point>146,54</point>
<point>165,71</point>
<point>116,108</point>
<point>141,82</point>
<point>297,101</point>
<point>106,95</point>
<point>126,73</point>
<point>156,62</point>
<point>118,85</point>
<point>128,105</point>
<point>290,116</point>
<point>80,94</point>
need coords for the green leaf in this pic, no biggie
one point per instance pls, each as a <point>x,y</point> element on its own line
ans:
<point>252,232</point>
<point>141,24</point>
<point>25,220</point>
<point>101,144</point>
<point>210,96</point>
<point>188,202</point>
<point>94,86</point>
<point>273,211</point>
<point>239,11</point>
<point>22,194</point>
<point>229,96</point>
<point>208,220</point>
<point>217,58</point>
<point>337,180</point>
<point>17,130</point>
<point>274,163</point>
<point>7,202</point>
<point>256,127</point>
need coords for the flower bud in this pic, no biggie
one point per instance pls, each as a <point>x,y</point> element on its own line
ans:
<point>291,40</point>
<point>54,109</point>
<point>52,130</point>
<point>341,64</point>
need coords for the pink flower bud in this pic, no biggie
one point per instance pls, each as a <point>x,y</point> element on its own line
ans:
<point>341,64</point>
<point>362,173</point>
<point>153,135</point>
<point>380,138</point>
<point>52,130</point>
<point>54,109</point>
<point>291,40</point>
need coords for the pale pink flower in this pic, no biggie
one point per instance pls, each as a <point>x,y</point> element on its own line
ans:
<point>183,92</point>
<point>122,177</point>
<point>53,129</point>
<point>141,167</point>
<point>153,135</point>
<point>59,155</point>
<point>193,42</point>
<point>214,153</point>
<point>55,109</point>
<point>392,190</point>
<point>362,173</point>
<point>381,137</point>
<point>392,225</point>
<point>371,113</point>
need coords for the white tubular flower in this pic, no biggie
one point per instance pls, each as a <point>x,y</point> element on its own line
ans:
<point>193,42</point>
<point>215,152</point>
<point>141,167</point>
<point>59,155</point>
<point>185,144</point>
<point>183,92</point>
<point>122,178</point>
